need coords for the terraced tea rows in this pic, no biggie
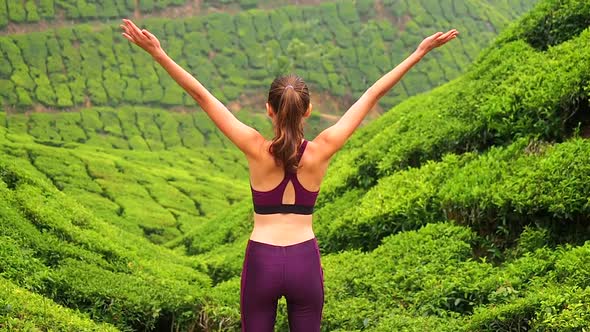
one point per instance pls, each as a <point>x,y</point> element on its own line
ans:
<point>159,196</point>
<point>338,47</point>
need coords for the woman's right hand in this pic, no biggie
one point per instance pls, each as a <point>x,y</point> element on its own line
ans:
<point>141,38</point>
<point>436,40</point>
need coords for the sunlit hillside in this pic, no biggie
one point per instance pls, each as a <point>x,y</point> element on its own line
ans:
<point>78,90</point>
<point>339,47</point>
<point>464,208</point>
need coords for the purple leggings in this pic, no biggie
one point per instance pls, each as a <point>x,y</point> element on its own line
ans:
<point>271,271</point>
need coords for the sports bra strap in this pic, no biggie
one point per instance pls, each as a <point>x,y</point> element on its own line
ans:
<point>301,149</point>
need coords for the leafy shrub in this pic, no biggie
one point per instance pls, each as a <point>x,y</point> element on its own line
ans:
<point>551,23</point>
<point>23,310</point>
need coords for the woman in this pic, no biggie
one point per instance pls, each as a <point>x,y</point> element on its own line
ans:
<point>282,256</point>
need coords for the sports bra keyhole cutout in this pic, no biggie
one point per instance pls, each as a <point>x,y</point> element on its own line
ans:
<point>289,193</point>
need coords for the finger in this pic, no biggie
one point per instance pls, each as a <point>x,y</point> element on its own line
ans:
<point>134,29</point>
<point>449,37</point>
<point>445,39</point>
<point>152,36</point>
<point>129,30</point>
<point>128,37</point>
<point>446,35</point>
<point>436,35</point>
<point>146,33</point>
<point>124,28</point>
<point>454,35</point>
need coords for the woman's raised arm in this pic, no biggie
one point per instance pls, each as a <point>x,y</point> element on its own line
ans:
<point>244,137</point>
<point>335,136</point>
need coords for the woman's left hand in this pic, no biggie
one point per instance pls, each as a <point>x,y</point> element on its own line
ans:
<point>141,38</point>
<point>437,40</point>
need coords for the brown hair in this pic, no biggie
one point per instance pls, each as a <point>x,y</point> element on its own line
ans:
<point>289,99</point>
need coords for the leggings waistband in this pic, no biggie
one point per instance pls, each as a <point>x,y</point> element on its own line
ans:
<point>305,247</point>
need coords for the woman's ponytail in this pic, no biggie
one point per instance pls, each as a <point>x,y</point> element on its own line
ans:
<point>289,99</point>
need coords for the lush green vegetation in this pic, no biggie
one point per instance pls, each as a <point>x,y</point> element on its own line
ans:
<point>490,170</point>
<point>30,11</point>
<point>22,310</point>
<point>462,209</point>
<point>338,47</point>
<point>157,195</point>
<point>21,11</point>
<point>130,128</point>
<point>512,91</point>
<point>53,246</point>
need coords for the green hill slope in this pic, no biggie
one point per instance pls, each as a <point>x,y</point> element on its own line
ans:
<point>159,194</point>
<point>462,209</point>
<point>338,47</point>
<point>53,246</point>
<point>27,13</point>
<point>22,310</point>
<point>163,196</point>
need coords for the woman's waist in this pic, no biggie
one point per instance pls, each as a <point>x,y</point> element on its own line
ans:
<point>282,229</point>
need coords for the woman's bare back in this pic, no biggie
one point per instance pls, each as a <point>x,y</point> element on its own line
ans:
<point>285,228</point>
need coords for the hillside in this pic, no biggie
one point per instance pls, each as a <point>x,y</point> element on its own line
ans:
<point>57,77</point>
<point>109,95</point>
<point>52,246</point>
<point>461,209</point>
<point>470,202</point>
<point>139,173</point>
<point>15,15</point>
<point>338,47</point>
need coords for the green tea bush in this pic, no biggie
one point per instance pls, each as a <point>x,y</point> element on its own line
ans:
<point>404,201</point>
<point>226,228</point>
<point>3,14</point>
<point>491,105</point>
<point>497,193</point>
<point>109,296</point>
<point>565,309</point>
<point>73,257</point>
<point>231,54</point>
<point>21,310</point>
<point>548,188</point>
<point>551,23</point>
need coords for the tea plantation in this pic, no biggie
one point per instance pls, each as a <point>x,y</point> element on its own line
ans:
<point>465,208</point>
<point>339,47</point>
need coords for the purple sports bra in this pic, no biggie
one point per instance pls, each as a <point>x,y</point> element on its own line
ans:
<point>269,202</point>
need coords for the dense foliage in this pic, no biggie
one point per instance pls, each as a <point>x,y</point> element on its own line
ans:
<point>53,246</point>
<point>27,11</point>
<point>498,154</point>
<point>462,209</point>
<point>513,91</point>
<point>16,11</point>
<point>158,196</point>
<point>23,310</point>
<point>338,47</point>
